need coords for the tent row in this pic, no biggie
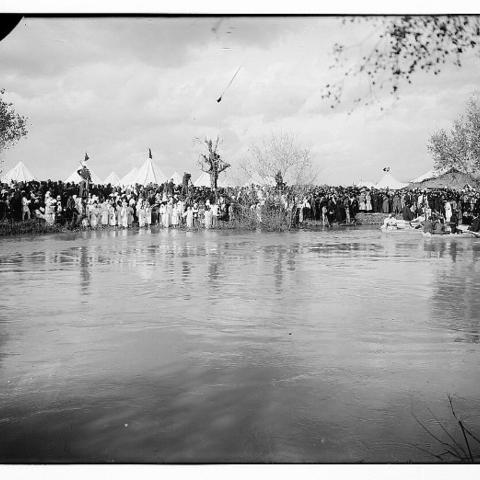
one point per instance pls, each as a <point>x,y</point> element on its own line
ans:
<point>387,181</point>
<point>446,177</point>
<point>148,173</point>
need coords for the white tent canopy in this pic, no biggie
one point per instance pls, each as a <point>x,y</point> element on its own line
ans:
<point>225,181</point>
<point>149,173</point>
<point>388,181</point>
<point>365,184</point>
<point>176,178</point>
<point>203,180</point>
<point>257,180</point>
<point>112,179</point>
<point>430,174</point>
<point>76,178</point>
<point>127,179</point>
<point>19,173</point>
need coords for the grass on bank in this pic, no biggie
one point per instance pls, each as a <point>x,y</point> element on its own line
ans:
<point>242,219</point>
<point>460,446</point>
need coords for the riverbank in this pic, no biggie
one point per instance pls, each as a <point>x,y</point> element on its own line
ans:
<point>39,226</point>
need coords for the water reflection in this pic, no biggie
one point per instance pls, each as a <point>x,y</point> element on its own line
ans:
<point>157,346</point>
<point>84,271</point>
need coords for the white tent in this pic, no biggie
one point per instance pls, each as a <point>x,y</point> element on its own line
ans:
<point>19,173</point>
<point>176,178</point>
<point>256,179</point>
<point>430,174</point>
<point>388,181</point>
<point>76,178</point>
<point>225,181</point>
<point>203,180</point>
<point>112,179</point>
<point>127,179</point>
<point>365,184</point>
<point>149,173</point>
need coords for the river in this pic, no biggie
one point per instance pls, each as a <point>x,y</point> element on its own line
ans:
<point>165,346</point>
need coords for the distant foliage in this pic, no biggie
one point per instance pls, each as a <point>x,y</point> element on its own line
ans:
<point>459,148</point>
<point>280,152</point>
<point>12,125</point>
<point>402,46</point>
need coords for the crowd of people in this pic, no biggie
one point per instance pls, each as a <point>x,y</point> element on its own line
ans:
<point>171,205</point>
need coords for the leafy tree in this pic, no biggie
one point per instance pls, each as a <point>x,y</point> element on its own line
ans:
<point>459,148</point>
<point>213,164</point>
<point>402,46</point>
<point>280,153</point>
<point>12,125</point>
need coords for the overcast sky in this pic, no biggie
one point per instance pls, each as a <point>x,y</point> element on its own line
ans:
<point>117,86</point>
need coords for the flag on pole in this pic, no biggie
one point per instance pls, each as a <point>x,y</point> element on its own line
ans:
<point>149,153</point>
<point>86,156</point>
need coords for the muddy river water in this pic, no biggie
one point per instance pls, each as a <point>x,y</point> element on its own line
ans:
<point>163,346</point>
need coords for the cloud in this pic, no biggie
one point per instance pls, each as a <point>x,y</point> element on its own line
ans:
<point>117,86</point>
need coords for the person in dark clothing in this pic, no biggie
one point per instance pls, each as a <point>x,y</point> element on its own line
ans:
<point>475,225</point>
<point>453,223</point>
<point>407,213</point>
<point>427,226</point>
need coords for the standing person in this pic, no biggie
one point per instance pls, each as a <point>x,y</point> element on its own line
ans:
<point>168,213</point>
<point>175,215</point>
<point>92,213</point>
<point>195,215</point>
<point>448,210</point>
<point>25,207</point>
<point>148,214</point>
<point>325,220</point>
<point>346,204</point>
<point>141,213</point>
<point>362,203</point>
<point>124,214</point>
<point>162,213</point>
<point>118,212</point>
<point>112,214</point>
<point>49,208</point>
<point>189,217</point>
<point>453,222</point>
<point>208,217</point>
<point>104,213</point>
<point>59,218</point>
<point>131,211</point>
<point>368,202</point>
<point>215,215</point>
<point>386,203</point>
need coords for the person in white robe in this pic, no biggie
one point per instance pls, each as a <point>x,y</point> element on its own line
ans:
<point>112,214</point>
<point>188,215</point>
<point>162,214</point>
<point>141,213</point>
<point>104,213</point>
<point>148,214</point>
<point>208,217</point>
<point>124,214</point>
<point>175,215</point>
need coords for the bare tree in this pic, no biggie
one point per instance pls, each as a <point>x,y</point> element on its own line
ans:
<point>280,154</point>
<point>403,46</point>
<point>213,164</point>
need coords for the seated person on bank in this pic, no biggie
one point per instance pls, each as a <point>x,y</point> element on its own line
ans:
<point>438,226</point>
<point>390,221</point>
<point>475,225</point>
<point>427,226</point>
